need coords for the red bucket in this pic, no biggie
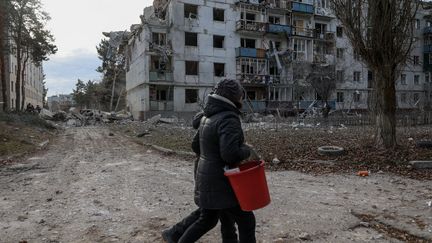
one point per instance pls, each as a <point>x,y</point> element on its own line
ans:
<point>250,185</point>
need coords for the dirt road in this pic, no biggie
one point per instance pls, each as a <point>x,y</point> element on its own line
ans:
<point>92,187</point>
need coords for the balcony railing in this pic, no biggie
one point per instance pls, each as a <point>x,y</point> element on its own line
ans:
<point>250,52</point>
<point>161,76</point>
<point>302,8</point>
<point>326,36</point>
<point>427,30</point>
<point>279,28</point>
<point>303,32</point>
<point>258,79</point>
<point>325,12</point>
<point>251,26</point>
<point>278,4</point>
<point>161,105</point>
<point>427,48</point>
<point>160,48</point>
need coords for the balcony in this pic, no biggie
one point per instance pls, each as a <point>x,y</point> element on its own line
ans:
<point>250,52</point>
<point>302,8</point>
<point>324,12</point>
<point>159,49</point>
<point>325,36</point>
<point>427,48</point>
<point>278,28</point>
<point>161,76</point>
<point>278,5</point>
<point>258,79</point>
<point>161,105</point>
<point>427,30</point>
<point>304,32</point>
<point>251,26</point>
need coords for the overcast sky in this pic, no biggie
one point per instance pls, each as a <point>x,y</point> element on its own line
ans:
<point>77,26</point>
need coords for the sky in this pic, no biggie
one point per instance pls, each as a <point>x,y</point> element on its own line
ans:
<point>77,26</point>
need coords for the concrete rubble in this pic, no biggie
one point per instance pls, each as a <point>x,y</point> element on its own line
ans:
<point>85,117</point>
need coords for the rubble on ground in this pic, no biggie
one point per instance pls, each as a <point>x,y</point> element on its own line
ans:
<point>85,117</point>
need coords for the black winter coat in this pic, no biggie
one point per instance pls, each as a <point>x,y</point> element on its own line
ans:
<point>219,142</point>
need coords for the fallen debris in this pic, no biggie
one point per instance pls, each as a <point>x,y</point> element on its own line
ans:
<point>421,164</point>
<point>330,150</point>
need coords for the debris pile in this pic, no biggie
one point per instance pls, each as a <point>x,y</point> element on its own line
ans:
<point>85,117</point>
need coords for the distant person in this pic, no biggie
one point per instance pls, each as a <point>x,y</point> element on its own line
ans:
<point>29,108</point>
<point>38,108</point>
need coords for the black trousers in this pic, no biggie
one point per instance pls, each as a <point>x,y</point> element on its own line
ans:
<point>209,217</point>
<point>228,229</point>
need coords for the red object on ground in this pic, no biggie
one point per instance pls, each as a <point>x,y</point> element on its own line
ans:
<point>250,185</point>
<point>363,173</point>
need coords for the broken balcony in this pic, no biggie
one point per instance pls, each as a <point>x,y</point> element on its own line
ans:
<point>250,26</point>
<point>304,32</point>
<point>258,79</point>
<point>325,36</point>
<point>161,76</point>
<point>302,8</point>
<point>427,30</point>
<point>279,28</point>
<point>278,4</point>
<point>250,52</point>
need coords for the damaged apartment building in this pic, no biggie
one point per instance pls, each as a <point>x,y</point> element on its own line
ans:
<point>32,79</point>
<point>181,49</point>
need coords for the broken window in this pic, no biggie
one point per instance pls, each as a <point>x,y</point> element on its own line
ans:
<point>356,76</point>
<point>356,55</point>
<point>191,67</point>
<point>191,39</point>
<point>191,96</point>
<point>416,79</point>
<point>158,38</point>
<point>247,43</point>
<point>430,58</point>
<point>218,41</point>
<point>416,97</point>
<point>340,75</point>
<point>218,14</point>
<point>340,53</point>
<point>161,93</point>
<point>299,50</point>
<point>248,16</point>
<point>251,95</point>
<point>278,45</point>
<point>403,98</point>
<point>274,95</point>
<point>340,97</point>
<point>219,69</point>
<point>339,31</point>
<point>403,79</point>
<point>274,20</point>
<point>356,96</point>
<point>416,60</point>
<point>427,78</point>
<point>157,63</point>
<point>190,11</point>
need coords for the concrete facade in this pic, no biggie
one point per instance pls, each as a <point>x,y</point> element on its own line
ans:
<point>183,48</point>
<point>33,81</point>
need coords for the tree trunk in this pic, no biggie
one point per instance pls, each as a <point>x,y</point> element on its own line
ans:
<point>113,89</point>
<point>385,108</point>
<point>23,86</point>
<point>3,80</point>
<point>5,99</point>
<point>18,80</point>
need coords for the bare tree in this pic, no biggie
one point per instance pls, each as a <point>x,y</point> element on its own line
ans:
<point>322,79</point>
<point>381,32</point>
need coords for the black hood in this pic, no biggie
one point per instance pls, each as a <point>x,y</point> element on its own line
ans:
<point>214,106</point>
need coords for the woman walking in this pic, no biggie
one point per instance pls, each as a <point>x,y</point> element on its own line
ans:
<point>220,142</point>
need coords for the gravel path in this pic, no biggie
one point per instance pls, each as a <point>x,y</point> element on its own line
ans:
<point>92,187</point>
